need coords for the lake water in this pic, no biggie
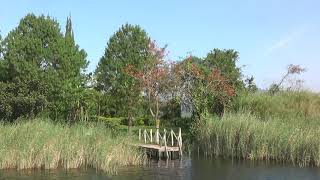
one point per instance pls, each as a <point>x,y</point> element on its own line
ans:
<point>180,169</point>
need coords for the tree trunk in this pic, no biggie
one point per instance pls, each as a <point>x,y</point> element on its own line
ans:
<point>157,114</point>
<point>129,124</point>
<point>157,123</point>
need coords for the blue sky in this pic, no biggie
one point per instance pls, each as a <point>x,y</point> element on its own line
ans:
<point>269,34</point>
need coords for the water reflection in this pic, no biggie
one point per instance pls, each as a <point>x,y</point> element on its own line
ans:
<point>185,169</point>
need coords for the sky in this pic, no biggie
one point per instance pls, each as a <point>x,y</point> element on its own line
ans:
<point>269,35</point>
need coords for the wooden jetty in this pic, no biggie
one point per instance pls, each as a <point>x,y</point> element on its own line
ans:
<point>166,145</point>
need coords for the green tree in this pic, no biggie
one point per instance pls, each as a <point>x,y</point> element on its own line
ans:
<point>225,60</point>
<point>251,87</point>
<point>69,94</point>
<point>128,46</point>
<point>37,51</point>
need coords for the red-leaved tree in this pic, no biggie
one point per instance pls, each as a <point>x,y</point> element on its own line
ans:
<point>153,79</point>
<point>198,87</point>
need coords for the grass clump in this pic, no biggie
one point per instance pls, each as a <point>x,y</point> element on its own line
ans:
<point>246,136</point>
<point>43,144</point>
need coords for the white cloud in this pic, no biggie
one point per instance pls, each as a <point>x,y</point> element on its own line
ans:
<point>285,41</point>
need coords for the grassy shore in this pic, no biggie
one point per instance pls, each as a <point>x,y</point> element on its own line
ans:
<point>43,144</point>
<point>266,133</point>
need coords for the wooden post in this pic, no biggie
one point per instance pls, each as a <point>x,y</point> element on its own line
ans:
<point>139,134</point>
<point>151,135</point>
<point>165,143</point>
<point>145,136</point>
<point>180,142</point>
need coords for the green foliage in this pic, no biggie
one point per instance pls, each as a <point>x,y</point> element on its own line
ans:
<point>113,123</point>
<point>251,87</point>
<point>21,99</point>
<point>225,61</point>
<point>30,48</point>
<point>129,45</point>
<point>141,121</point>
<point>171,112</point>
<point>37,51</point>
<point>116,123</point>
<point>69,31</point>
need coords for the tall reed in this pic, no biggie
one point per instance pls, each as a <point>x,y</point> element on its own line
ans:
<point>44,144</point>
<point>246,136</point>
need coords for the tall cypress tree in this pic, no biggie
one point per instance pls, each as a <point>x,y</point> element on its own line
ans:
<point>69,31</point>
<point>75,58</point>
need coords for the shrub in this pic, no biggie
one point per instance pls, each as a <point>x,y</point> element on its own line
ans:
<point>113,123</point>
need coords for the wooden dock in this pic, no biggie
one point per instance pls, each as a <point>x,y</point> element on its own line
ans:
<point>166,145</point>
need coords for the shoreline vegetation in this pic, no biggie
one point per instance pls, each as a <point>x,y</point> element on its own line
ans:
<point>40,143</point>
<point>268,128</point>
<point>54,113</point>
<point>273,128</point>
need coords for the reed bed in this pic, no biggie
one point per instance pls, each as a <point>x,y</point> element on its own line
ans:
<point>43,144</point>
<point>246,136</point>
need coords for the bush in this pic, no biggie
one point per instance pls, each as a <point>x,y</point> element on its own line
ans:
<point>21,99</point>
<point>113,123</point>
<point>138,121</point>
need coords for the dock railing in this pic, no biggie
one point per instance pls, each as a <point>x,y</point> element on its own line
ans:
<point>166,139</point>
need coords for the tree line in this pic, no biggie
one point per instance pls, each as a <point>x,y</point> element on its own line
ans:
<point>43,73</point>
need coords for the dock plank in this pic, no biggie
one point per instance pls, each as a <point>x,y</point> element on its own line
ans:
<point>158,147</point>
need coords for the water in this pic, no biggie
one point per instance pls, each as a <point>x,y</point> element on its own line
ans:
<point>186,169</point>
